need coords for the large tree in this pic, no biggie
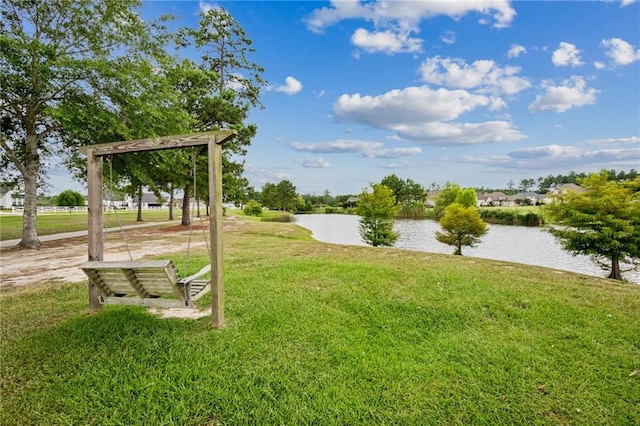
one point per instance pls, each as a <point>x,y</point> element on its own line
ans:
<point>57,55</point>
<point>221,89</point>
<point>377,210</point>
<point>603,222</point>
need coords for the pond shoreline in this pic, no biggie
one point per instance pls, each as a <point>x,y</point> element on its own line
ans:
<point>518,244</point>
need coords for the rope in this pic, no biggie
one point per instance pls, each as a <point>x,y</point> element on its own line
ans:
<point>195,192</point>
<point>113,206</point>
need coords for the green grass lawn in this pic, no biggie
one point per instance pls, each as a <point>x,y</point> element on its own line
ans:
<point>326,334</point>
<point>53,223</point>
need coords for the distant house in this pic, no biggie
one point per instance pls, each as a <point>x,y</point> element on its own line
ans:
<point>149,200</point>
<point>111,199</point>
<point>563,189</point>
<point>10,196</point>
<point>351,202</point>
<point>492,199</point>
<point>569,187</point>
<point>525,198</point>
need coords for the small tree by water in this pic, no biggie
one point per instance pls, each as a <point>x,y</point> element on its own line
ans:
<point>377,210</point>
<point>462,226</point>
<point>603,222</point>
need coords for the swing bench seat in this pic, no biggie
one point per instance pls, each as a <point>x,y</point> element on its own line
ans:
<point>144,282</point>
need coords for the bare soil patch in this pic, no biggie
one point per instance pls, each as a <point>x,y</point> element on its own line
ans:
<point>59,260</point>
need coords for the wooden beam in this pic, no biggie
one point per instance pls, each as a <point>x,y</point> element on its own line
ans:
<point>154,144</point>
<point>94,204</point>
<point>215,232</point>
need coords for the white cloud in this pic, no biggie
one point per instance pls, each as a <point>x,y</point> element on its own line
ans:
<point>614,141</point>
<point>395,21</point>
<point>312,162</point>
<point>573,93</point>
<point>567,157</point>
<point>422,114</point>
<point>450,134</point>
<point>624,3</point>
<point>365,149</point>
<point>599,65</point>
<point>449,37</point>
<point>291,86</point>
<point>516,50</point>
<point>566,55</point>
<point>412,104</point>
<point>483,75</point>
<point>392,152</point>
<point>401,12</point>
<point>336,147</point>
<point>620,51</point>
<point>258,176</point>
<point>206,7</point>
<point>388,42</point>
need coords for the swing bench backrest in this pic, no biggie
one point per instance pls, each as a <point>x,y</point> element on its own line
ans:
<point>144,282</point>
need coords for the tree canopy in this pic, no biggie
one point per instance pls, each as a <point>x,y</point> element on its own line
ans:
<point>453,193</point>
<point>461,226</point>
<point>377,210</point>
<point>603,222</point>
<point>84,72</point>
<point>282,196</point>
<point>62,60</point>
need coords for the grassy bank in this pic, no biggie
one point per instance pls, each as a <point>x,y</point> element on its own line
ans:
<point>52,223</point>
<point>327,334</point>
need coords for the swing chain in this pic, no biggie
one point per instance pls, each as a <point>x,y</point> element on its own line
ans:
<point>115,210</point>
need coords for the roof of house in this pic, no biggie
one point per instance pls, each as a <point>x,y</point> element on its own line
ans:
<point>497,195</point>
<point>570,187</point>
<point>151,198</point>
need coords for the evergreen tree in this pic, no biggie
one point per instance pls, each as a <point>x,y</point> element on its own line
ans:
<point>603,222</point>
<point>377,210</point>
<point>461,226</point>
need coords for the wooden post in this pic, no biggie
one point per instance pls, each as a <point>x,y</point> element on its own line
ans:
<point>94,202</point>
<point>215,231</point>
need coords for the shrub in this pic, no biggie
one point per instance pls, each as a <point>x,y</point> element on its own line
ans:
<point>253,208</point>
<point>70,198</point>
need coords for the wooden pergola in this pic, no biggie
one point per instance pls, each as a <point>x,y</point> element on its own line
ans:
<point>214,141</point>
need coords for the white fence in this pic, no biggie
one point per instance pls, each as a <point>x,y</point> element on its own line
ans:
<point>67,209</point>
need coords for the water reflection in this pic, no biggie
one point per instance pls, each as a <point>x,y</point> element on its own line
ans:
<point>532,246</point>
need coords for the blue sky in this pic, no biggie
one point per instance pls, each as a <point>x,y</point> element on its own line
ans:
<point>477,93</point>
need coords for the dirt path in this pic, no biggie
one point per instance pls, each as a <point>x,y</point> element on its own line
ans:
<point>59,261</point>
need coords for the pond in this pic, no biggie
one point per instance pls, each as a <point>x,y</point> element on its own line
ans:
<point>532,246</point>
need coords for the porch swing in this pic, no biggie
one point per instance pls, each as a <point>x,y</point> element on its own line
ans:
<point>145,282</point>
<point>148,282</point>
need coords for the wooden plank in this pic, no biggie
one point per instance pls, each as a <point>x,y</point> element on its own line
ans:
<point>135,264</point>
<point>200,290</point>
<point>149,302</point>
<point>135,282</point>
<point>215,230</point>
<point>94,205</point>
<point>154,144</point>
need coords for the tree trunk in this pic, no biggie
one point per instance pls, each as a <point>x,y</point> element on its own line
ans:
<point>139,218</point>
<point>616,274</point>
<point>186,220</point>
<point>171,199</point>
<point>458,251</point>
<point>29,215</point>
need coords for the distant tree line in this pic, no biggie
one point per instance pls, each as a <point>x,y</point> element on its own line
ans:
<point>542,185</point>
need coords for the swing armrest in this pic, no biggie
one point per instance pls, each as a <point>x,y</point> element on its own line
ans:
<point>197,275</point>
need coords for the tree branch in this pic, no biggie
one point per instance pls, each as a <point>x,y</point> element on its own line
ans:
<point>12,155</point>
